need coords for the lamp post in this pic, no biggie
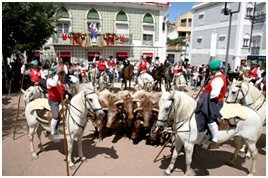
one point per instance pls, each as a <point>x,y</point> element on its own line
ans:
<point>228,11</point>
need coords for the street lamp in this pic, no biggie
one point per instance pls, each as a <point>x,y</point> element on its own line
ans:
<point>228,11</point>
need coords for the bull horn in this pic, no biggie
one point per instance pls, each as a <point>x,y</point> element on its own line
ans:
<point>155,109</point>
<point>137,109</point>
<point>105,109</point>
<point>156,129</point>
<point>23,91</point>
<point>119,102</point>
<point>136,100</point>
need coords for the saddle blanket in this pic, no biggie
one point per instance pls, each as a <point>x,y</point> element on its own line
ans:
<point>232,110</point>
<point>40,103</point>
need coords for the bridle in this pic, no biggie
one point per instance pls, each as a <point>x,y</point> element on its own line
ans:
<point>90,111</point>
<point>245,94</point>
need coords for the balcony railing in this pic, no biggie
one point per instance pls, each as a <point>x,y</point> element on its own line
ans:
<point>255,50</point>
<point>147,43</point>
<point>121,40</point>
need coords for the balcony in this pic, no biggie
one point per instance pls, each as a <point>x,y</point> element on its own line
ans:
<point>120,40</point>
<point>147,43</point>
<point>124,40</point>
<point>255,50</point>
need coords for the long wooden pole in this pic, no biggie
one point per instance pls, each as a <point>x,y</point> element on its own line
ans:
<point>16,121</point>
<point>64,133</point>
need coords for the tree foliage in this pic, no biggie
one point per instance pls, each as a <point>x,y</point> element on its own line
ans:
<point>26,26</point>
<point>174,42</point>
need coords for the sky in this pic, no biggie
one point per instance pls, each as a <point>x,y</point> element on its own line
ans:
<point>178,8</point>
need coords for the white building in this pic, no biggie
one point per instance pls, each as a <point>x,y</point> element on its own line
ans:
<point>117,29</point>
<point>210,32</point>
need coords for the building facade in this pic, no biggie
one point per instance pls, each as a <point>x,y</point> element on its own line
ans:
<point>184,26</point>
<point>86,29</point>
<point>210,28</point>
<point>258,35</point>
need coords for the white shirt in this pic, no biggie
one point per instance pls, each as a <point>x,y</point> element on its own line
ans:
<point>52,82</point>
<point>216,84</point>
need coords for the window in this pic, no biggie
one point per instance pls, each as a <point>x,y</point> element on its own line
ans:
<point>148,18</point>
<point>147,39</point>
<point>148,30</point>
<point>189,22</point>
<point>62,13</point>
<point>183,23</point>
<point>121,16</point>
<point>93,24</point>
<point>93,15</point>
<point>246,40</point>
<point>221,42</point>
<point>201,19</point>
<point>249,10</point>
<point>199,42</point>
<point>256,43</point>
<point>62,27</point>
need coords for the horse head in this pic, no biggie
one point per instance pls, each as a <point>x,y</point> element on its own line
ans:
<point>93,103</point>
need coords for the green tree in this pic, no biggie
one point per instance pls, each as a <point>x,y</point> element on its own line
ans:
<point>26,27</point>
<point>174,42</point>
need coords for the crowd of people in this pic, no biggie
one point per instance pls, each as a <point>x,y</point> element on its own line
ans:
<point>196,76</point>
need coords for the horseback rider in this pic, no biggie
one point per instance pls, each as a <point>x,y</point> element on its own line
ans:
<point>56,93</point>
<point>211,100</point>
<point>254,72</point>
<point>111,65</point>
<point>156,62</point>
<point>103,66</point>
<point>179,68</point>
<point>34,73</point>
<point>126,63</point>
<point>143,66</point>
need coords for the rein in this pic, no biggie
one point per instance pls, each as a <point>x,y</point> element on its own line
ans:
<point>244,95</point>
<point>184,121</point>
<point>92,112</point>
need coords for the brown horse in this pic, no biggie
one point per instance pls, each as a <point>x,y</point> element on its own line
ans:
<point>128,73</point>
<point>158,74</point>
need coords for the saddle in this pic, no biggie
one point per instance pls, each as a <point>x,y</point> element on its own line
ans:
<point>45,115</point>
<point>225,124</point>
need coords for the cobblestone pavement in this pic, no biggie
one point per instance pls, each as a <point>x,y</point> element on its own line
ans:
<point>109,159</point>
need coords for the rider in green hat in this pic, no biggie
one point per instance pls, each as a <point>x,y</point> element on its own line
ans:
<point>211,101</point>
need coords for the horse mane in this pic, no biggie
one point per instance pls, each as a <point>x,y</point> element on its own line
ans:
<point>184,105</point>
<point>252,94</point>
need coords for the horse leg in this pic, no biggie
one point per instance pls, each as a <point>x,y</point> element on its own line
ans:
<point>70,141</point>
<point>253,152</point>
<point>238,144</point>
<point>176,151</point>
<point>39,132</point>
<point>80,149</point>
<point>31,138</point>
<point>189,149</point>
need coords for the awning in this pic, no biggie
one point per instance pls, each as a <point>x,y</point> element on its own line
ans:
<point>121,54</point>
<point>64,54</point>
<point>257,58</point>
<point>92,54</point>
<point>148,54</point>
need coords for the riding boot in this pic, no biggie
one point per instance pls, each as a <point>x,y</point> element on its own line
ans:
<point>213,127</point>
<point>53,125</point>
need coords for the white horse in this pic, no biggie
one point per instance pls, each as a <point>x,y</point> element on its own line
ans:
<point>74,84</point>
<point>180,107</point>
<point>250,96</point>
<point>81,107</point>
<point>32,93</point>
<point>180,82</point>
<point>146,81</point>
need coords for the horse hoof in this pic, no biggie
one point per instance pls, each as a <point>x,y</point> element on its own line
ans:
<point>72,167</point>
<point>229,163</point>
<point>35,157</point>
<point>84,159</point>
<point>166,174</point>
